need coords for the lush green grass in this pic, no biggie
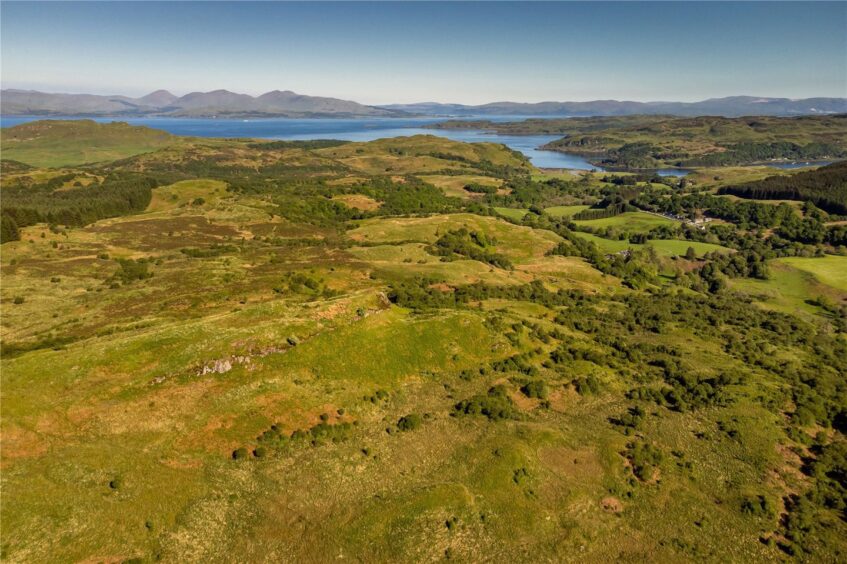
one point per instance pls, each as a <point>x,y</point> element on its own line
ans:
<point>54,143</point>
<point>830,270</point>
<point>673,247</point>
<point>512,213</point>
<point>794,281</point>
<point>664,247</point>
<point>609,245</point>
<point>564,211</point>
<point>634,222</point>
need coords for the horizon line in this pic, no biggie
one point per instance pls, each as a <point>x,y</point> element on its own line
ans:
<point>498,101</point>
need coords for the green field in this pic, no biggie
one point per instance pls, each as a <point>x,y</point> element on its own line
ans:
<point>664,247</point>
<point>512,213</point>
<point>564,211</point>
<point>672,247</point>
<point>830,270</point>
<point>633,222</point>
<point>795,281</point>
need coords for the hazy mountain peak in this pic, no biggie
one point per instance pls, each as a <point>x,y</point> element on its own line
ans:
<point>159,98</point>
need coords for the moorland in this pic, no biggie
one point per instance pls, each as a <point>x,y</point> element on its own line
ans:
<point>418,349</point>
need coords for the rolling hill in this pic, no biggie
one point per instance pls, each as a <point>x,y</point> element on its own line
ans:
<point>52,143</point>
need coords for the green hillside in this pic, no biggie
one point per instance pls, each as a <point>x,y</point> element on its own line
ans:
<point>57,143</point>
<point>230,350</point>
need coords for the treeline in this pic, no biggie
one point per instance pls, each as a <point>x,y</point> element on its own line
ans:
<point>118,194</point>
<point>746,153</point>
<point>306,145</point>
<point>610,210</point>
<point>825,186</point>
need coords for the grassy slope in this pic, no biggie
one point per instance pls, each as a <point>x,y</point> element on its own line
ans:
<point>830,270</point>
<point>632,221</point>
<point>56,143</point>
<point>793,281</point>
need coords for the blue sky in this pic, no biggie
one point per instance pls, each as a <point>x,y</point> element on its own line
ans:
<point>448,52</point>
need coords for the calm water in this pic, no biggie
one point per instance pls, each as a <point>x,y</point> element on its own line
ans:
<point>799,164</point>
<point>355,130</point>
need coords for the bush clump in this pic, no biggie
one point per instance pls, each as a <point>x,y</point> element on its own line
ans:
<point>757,506</point>
<point>645,460</point>
<point>409,422</point>
<point>535,389</point>
<point>587,386</point>
<point>131,270</point>
<point>495,405</point>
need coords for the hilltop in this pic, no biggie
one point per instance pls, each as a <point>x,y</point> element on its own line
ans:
<point>51,143</point>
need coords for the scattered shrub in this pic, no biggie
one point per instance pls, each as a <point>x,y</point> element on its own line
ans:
<point>409,422</point>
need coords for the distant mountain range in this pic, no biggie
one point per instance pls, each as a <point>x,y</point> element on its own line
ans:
<point>287,104</point>
<point>733,106</point>
<point>218,103</point>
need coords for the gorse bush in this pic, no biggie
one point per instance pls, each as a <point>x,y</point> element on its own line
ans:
<point>409,422</point>
<point>535,389</point>
<point>462,243</point>
<point>132,270</point>
<point>495,405</point>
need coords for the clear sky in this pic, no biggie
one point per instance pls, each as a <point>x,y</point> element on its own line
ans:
<point>447,52</point>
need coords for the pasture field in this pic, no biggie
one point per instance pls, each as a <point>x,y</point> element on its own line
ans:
<point>664,247</point>
<point>512,213</point>
<point>564,211</point>
<point>635,222</point>
<point>555,211</point>
<point>673,247</point>
<point>830,270</point>
<point>795,281</point>
<point>516,242</point>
